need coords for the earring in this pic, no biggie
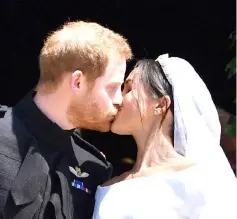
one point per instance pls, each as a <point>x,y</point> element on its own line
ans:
<point>156,112</point>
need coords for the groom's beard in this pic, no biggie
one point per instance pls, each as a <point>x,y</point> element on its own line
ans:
<point>88,114</point>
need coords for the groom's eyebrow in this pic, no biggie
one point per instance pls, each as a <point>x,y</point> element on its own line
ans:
<point>116,81</point>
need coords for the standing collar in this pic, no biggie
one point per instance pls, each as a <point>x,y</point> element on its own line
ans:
<point>38,124</point>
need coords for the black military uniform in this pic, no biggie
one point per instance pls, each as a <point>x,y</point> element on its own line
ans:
<point>46,172</point>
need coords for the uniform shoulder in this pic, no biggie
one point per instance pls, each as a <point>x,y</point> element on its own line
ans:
<point>12,134</point>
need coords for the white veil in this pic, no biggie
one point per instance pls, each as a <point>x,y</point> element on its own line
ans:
<point>197,128</point>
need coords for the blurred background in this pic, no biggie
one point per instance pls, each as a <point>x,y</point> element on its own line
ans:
<point>200,31</point>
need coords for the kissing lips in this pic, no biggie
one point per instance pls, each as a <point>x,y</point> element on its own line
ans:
<point>116,116</point>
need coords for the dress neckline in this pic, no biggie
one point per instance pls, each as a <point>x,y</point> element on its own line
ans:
<point>158,174</point>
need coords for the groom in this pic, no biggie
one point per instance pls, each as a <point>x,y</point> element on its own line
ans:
<point>46,169</point>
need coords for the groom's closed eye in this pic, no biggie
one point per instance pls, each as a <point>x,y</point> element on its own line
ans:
<point>113,88</point>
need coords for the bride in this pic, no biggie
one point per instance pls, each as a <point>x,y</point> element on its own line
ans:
<point>180,170</point>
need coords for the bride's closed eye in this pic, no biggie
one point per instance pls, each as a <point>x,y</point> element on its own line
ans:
<point>127,87</point>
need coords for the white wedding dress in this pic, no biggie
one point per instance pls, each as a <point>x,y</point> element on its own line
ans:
<point>186,194</point>
<point>204,191</point>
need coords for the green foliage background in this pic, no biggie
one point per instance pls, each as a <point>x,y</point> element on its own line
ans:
<point>231,72</point>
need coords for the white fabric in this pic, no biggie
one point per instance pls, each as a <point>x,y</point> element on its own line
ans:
<point>206,192</point>
<point>197,127</point>
<point>187,194</point>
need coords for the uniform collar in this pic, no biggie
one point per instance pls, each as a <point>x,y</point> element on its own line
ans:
<point>39,125</point>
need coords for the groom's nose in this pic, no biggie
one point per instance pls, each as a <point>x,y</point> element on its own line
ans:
<point>118,99</point>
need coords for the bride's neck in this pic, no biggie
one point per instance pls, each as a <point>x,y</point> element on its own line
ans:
<point>154,149</point>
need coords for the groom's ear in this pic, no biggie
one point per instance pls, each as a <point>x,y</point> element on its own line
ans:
<point>76,80</point>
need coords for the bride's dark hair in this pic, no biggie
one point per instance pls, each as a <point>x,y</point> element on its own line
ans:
<point>150,73</point>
